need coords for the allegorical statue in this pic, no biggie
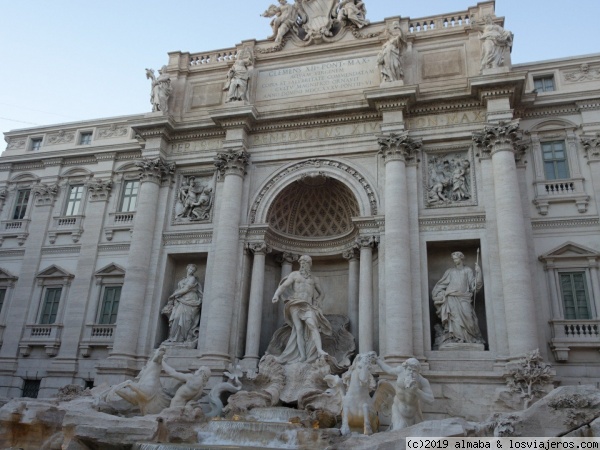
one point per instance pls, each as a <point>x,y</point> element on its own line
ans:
<point>453,299</point>
<point>353,11</point>
<point>284,19</point>
<point>193,384</point>
<point>161,90</point>
<point>183,308</point>
<point>388,59</point>
<point>411,389</point>
<point>303,314</point>
<point>238,77</point>
<point>495,41</point>
<point>195,200</point>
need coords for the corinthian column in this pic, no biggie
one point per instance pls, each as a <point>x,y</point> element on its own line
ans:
<point>219,307</point>
<point>503,143</point>
<point>260,250</point>
<point>365,296</point>
<point>396,149</point>
<point>352,256</point>
<point>133,295</point>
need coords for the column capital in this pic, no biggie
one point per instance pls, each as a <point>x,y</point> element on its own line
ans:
<point>352,254</point>
<point>232,162</point>
<point>365,241</point>
<point>591,145</point>
<point>398,146</point>
<point>287,257</point>
<point>504,136</point>
<point>99,189</point>
<point>154,170</point>
<point>44,194</point>
<point>259,248</point>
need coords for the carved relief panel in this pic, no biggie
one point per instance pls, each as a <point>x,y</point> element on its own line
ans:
<point>194,198</point>
<point>449,179</point>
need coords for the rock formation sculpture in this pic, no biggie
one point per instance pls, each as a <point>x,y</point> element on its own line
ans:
<point>529,377</point>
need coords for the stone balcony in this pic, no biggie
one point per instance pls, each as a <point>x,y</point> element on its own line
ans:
<point>560,191</point>
<point>568,334</point>
<point>72,225</point>
<point>96,335</point>
<point>47,336</point>
<point>18,229</point>
<point>121,221</point>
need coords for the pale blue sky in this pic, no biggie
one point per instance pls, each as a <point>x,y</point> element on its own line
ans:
<point>69,60</point>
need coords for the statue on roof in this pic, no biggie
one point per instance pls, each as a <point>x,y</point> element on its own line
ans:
<point>238,77</point>
<point>352,11</point>
<point>285,18</point>
<point>495,41</point>
<point>389,57</point>
<point>161,89</point>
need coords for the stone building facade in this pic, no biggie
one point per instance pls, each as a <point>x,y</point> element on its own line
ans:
<point>315,151</point>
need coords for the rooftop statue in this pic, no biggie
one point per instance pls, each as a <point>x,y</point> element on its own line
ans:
<point>238,77</point>
<point>453,300</point>
<point>285,18</point>
<point>388,59</point>
<point>303,314</point>
<point>161,89</point>
<point>354,12</point>
<point>495,41</point>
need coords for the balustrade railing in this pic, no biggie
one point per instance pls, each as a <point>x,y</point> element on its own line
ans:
<point>201,59</point>
<point>43,333</point>
<point>577,330</point>
<point>458,20</point>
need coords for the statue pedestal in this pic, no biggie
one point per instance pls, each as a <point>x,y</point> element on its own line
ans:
<point>462,346</point>
<point>495,70</point>
<point>392,84</point>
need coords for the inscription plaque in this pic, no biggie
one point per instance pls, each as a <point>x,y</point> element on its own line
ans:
<point>332,76</point>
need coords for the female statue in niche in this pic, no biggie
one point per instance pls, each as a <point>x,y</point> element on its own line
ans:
<point>183,308</point>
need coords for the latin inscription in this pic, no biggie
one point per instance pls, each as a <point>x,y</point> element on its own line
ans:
<point>441,120</point>
<point>196,146</point>
<point>314,134</point>
<point>332,76</point>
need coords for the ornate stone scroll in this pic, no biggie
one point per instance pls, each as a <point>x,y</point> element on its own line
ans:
<point>506,136</point>
<point>591,145</point>
<point>44,194</point>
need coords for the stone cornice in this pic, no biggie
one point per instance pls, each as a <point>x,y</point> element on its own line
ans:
<point>444,107</point>
<point>160,129</point>
<point>178,238</point>
<point>392,98</point>
<point>315,122</point>
<point>462,222</point>
<point>235,117</point>
<point>566,223</point>
<point>527,113</point>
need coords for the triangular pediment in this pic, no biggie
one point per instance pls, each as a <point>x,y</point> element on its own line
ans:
<point>5,275</point>
<point>112,270</point>
<point>570,250</point>
<point>54,271</point>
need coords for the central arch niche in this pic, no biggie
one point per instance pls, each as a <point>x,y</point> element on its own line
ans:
<point>311,214</point>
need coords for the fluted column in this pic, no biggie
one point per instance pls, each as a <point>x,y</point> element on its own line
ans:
<point>366,245</point>
<point>133,295</point>
<point>231,164</point>
<point>503,143</point>
<point>591,146</point>
<point>396,149</point>
<point>260,250</point>
<point>352,256</point>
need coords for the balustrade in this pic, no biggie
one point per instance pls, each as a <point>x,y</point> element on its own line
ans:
<point>201,59</point>
<point>568,334</point>
<point>459,20</point>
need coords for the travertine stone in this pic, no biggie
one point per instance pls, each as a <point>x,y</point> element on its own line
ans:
<point>366,245</point>
<point>161,89</point>
<point>496,41</point>
<point>352,256</point>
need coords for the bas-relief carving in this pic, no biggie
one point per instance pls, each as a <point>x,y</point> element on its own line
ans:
<point>585,73</point>
<point>238,77</point>
<point>316,134</point>
<point>449,180</point>
<point>495,42</point>
<point>453,297</point>
<point>327,77</point>
<point>112,131</point>
<point>183,310</point>
<point>62,137</point>
<point>160,90</point>
<point>16,144</point>
<point>389,57</point>
<point>194,200</point>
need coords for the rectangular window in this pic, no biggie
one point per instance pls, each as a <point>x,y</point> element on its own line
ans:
<point>21,204</point>
<point>2,297</point>
<point>110,305</point>
<point>36,144</point>
<point>31,388</point>
<point>555,160</point>
<point>130,193</point>
<point>544,84</point>
<point>575,297</point>
<point>50,307</point>
<point>85,138</point>
<point>74,200</point>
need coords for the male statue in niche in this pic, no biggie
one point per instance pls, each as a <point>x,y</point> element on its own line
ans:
<point>303,314</point>
<point>453,299</point>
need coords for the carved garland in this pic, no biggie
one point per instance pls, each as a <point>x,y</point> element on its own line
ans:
<point>315,163</point>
